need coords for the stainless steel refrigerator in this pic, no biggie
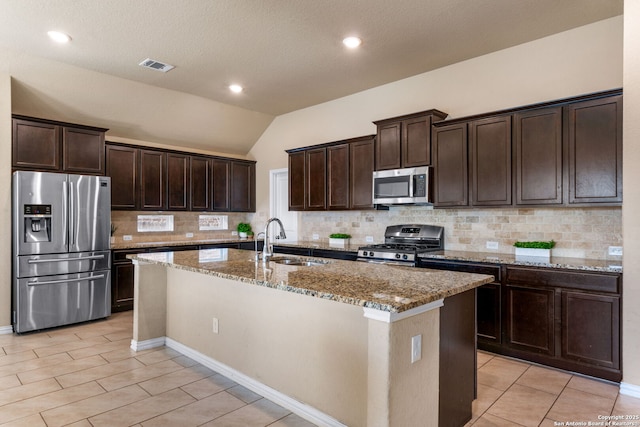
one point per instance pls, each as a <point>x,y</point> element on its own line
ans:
<point>61,255</point>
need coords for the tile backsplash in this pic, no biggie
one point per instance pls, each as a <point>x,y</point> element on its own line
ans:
<point>578,232</point>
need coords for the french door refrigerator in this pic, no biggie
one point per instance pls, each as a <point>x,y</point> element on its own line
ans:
<point>61,255</point>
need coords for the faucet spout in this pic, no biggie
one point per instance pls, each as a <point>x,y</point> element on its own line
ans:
<point>267,251</point>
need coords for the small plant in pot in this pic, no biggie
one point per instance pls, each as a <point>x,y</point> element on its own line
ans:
<point>539,249</point>
<point>244,229</point>
<point>339,239</point>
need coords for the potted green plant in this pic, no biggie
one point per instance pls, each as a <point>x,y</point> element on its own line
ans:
<point>535,249</point>
<point>243,230</point>
<point>339,239</point>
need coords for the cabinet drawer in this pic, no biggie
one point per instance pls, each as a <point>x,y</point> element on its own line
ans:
<point>566,279</point>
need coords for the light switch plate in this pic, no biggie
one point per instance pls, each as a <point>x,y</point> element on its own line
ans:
<point>615,250</point>
<point>315,237</point>
<point>189,234</point>
<point>127,237</point>
<point>369,239</point>
<point>492,245</point>
<point>416,348</point>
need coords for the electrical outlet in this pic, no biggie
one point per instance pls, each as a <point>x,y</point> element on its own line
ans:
<point>369,239</point>
<point>615,250</point>
<point>492,245</point>
<point>416,348</point>
<point>215,325</point>
<point>315,237</point>
<point>234,233</point>
<point>127,237</point>
<point>189,234</point>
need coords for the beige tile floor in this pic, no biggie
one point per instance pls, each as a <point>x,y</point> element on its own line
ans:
<point>86,375</point>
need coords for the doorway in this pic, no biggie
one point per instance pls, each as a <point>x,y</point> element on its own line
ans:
<point>279,204</point>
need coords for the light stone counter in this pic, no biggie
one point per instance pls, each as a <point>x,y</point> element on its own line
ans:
<point>382,287</point>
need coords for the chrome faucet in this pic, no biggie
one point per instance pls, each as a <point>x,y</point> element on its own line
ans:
<point>267,251</point>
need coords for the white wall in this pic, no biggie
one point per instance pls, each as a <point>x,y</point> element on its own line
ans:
<point>631,223</point>
<point>5,202</point>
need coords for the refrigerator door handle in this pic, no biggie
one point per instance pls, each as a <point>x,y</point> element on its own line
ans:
<point>55,282</point>
<point>40,261</point>
<point>73,212</point>
<point>65,209</point>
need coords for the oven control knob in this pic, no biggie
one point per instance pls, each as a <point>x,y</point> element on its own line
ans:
<point>364,253</point>
<point>397,256</point>
<point>371,253</point>
<point>405,256</point>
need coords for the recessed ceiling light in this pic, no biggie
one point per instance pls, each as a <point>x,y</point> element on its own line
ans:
<point>352,42</point>
<point>59,37</point>
<point>235,88</point>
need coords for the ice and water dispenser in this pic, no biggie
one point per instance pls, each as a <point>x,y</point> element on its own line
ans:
<point>37,223</point>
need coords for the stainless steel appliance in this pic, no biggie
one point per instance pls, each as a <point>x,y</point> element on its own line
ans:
<point>61,255</point>
<point>403,244</point>
<point>401,186</point>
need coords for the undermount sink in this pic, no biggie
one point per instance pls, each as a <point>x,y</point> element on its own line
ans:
<point>298,261</point>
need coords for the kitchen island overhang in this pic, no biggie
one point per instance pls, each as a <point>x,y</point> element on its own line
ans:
<point>297,334</point>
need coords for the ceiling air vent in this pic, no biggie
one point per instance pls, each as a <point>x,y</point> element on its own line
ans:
<point>156,65</point>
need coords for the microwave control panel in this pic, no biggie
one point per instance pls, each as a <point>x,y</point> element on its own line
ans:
<point>420,185</point>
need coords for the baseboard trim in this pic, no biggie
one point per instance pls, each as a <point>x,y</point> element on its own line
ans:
<point>147,344</point>
<point>630,390</point>
<point>305,411</point>
<point>5,330</point>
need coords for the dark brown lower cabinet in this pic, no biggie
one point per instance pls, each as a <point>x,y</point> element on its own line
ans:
<point>122,271</point>
<point>488,313</point>
<point>530,319</point>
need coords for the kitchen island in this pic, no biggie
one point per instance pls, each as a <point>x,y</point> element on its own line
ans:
<point>333,341</point>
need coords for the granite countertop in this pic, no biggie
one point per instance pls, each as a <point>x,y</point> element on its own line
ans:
<point>584,264</point>
<point>383,287</point>
<point>141,245</point>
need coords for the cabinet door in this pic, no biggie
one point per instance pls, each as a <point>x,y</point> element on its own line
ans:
<point>122,287</point>
<point>178,175</point>
<point>200,184</point>
<point>388,154</point>
<point>153,180</point>
<point>338,177</point>
<point>595,151</point>
<point>35,145</point>
<point>361,166</point>
<point>591,328</point>
<point>416,142</point>
<point>488,313</point>
<point>490,142</point>
<point>243,187</point>
<point>450,157</point>
<point>221,187</point>
<point>538,156</point>
<point>530,319</point>
<point>122,166</point>
<point>82,151</point>
<point>316,178</point>
<point>297,187</point>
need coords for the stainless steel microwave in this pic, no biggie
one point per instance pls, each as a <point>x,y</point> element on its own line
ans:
<point>401,186</point>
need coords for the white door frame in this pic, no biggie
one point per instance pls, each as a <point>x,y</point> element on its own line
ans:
<point>291,224</point>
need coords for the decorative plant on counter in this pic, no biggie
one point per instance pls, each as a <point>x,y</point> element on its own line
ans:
<point>535,245</point>
<point>339,236</point>
<point>244,229</point>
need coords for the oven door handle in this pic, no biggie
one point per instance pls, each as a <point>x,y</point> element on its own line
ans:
<point>55,282</point>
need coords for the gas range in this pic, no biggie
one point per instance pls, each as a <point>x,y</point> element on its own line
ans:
<point>403,243</point>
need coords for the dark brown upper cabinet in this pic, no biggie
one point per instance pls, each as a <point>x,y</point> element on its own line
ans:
<point>122,167</point>
<point>58,147</point>
<point>451,161</point>
<point>490,144</point>
<point>200,183</point>
<point>361,166</point>
<point>538,157</point>
<point>178,181</point>
<point>594,135</point>
<point>316,178</point>
<point>338,177</point>
<point>405,141</point>
<point>153,180</point>
<point>333,176</point>
<point>559,153</point>
<point>221,185</point>
<point>243,190</point>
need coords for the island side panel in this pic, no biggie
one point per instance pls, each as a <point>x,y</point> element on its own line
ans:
<point>150,302</point>
<point>402,393</point>
<point>310,349</point>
